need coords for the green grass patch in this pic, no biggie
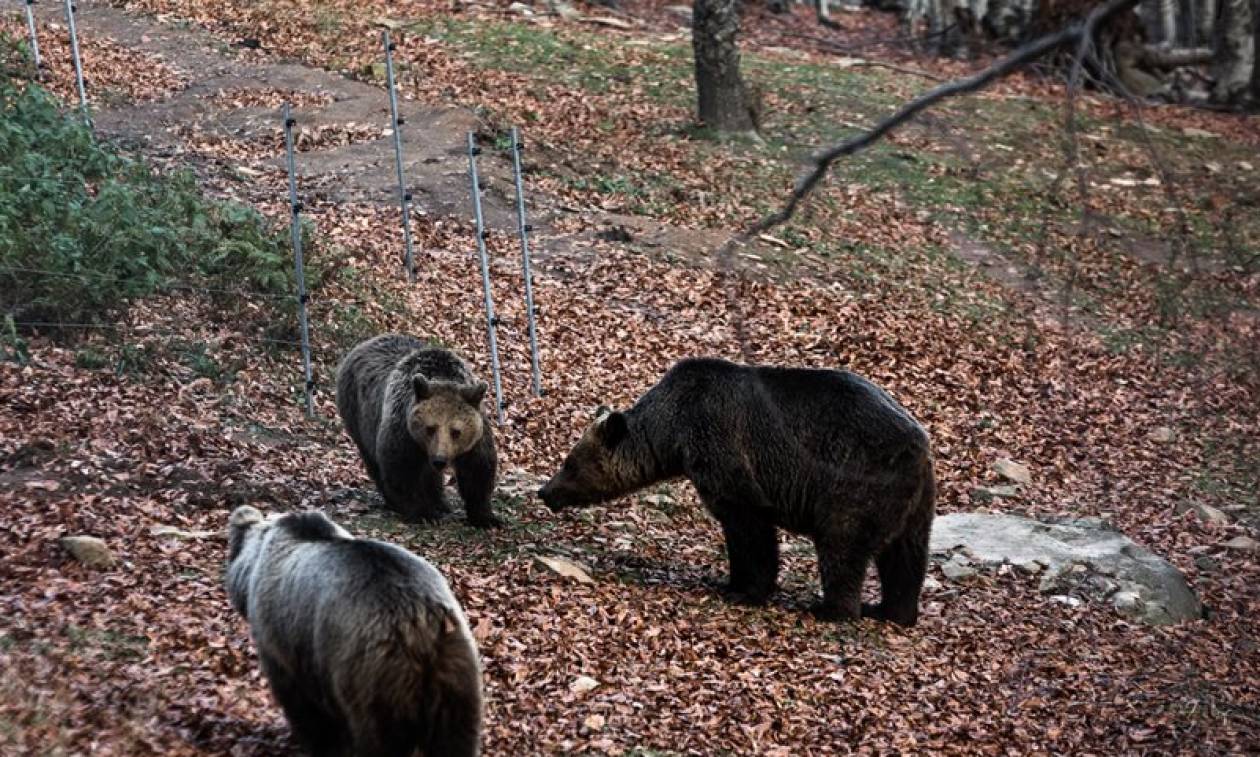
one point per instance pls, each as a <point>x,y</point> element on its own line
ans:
<point>84,230</point>
<point>567,57</point>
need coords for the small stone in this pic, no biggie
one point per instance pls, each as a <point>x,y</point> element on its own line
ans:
<point>567,568</point>
<point>593,723</point>
<point>1013,471</point>
<point>1127,603</point>
<point>958,568</point>
<point>990,493</point>
<point>520,9</point>
<point>930,583</point>
<point>1064,599</point>
<point>582,684</point>
<point>177,533</point>
<point>1205,513</point>
<point>1242,544</point>
<point>89,550</point>
<point>1206,564</point>
<point>659,500</point>
<point>1031,567</point>
<point>564,10</point>
<point>1163,435</point>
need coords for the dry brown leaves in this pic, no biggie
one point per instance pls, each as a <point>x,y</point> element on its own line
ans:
<point>113,72</point>
<point>149,658</point>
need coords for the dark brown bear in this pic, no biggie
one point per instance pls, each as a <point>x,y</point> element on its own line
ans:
<point>413,409</point>
<point>822,453</point>
<point>363,643</point>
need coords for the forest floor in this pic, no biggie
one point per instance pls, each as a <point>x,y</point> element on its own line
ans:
<point>1098,320</point>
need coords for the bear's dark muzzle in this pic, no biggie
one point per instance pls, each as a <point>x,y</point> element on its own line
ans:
<point>549,497</point>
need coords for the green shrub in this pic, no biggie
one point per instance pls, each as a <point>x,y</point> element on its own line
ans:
<point>84,230</point>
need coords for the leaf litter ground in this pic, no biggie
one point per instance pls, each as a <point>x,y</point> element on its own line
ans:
<point>148,657</point>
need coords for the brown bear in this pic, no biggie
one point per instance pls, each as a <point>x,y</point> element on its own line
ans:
<point>362,642</point>
<point>413,409</point>
<point>822,453</point>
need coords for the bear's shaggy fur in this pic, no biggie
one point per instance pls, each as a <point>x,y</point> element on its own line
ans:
<point>822,453</point>
<point>362,642</point>
<point>412,409</point>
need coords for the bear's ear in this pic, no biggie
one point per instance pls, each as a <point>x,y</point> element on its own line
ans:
<point>614,429</point>
<point>601,411</point>
<point>421,385</point>
<point>473,393</point>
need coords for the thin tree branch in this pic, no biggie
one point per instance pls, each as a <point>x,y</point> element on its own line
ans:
<point>1078,32</point>
<point>1012,63</point>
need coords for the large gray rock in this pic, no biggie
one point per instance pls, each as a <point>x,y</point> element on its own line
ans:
<point>1083,557</point>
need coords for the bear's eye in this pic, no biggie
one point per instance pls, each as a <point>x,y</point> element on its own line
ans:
<point>454,433</point>
<point>430,430</point>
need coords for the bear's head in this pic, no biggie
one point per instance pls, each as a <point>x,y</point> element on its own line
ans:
<point>240,523</point>
<point>446,418</point>
<point>596,469</point>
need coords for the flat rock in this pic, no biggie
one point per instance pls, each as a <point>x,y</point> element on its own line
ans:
<point>179,533</point>
<point>567,568</point>
<point>582,684</point>
<point>990,493</point>
<point>1205,513</point>
<point>1013,471</point>
<point>1242,544</point>
<point>89,550</point>
<point>1083,557</point>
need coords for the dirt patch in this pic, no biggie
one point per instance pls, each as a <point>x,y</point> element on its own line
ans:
<point>226,118</point>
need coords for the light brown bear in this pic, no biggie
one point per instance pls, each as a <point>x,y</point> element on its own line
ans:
<point>413,409</point>
<point>822,453</point>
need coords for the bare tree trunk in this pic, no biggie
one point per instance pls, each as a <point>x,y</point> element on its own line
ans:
<point>1255,53</point>
<point>1235,52</point>
<point>724,101</point>
<point>1167,21</point>
<point>1206,21</point>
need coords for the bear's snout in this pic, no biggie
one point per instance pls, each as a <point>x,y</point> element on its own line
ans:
<point>548,495</point>
<point>438,462</point>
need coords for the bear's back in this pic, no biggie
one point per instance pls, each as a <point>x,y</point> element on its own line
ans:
<point>832,399</point>
<point>826,411</point>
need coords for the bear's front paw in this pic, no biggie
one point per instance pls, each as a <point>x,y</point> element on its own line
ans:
<point>744,595</point>
<point>833,613</point>
<point>485,521</point>
<point>900,616</point>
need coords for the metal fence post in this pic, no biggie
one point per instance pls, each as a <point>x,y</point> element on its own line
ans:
<point>78,64</point>
<point>295,208</point>
<point>523,229</point>
<point>491,319</point>
<point>404,197</point>
<point>30,25</point>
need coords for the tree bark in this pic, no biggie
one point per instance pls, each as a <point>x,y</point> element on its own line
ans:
<point>1255,53</point>
<point>724,101</point>
<point>1207,22</point>
<point>1235,52</point>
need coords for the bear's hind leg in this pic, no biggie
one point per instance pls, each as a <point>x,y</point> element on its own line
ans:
<point>902,567</point>
<point>752,551</point>
<point>320,732</point>
<point>842,563</point>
